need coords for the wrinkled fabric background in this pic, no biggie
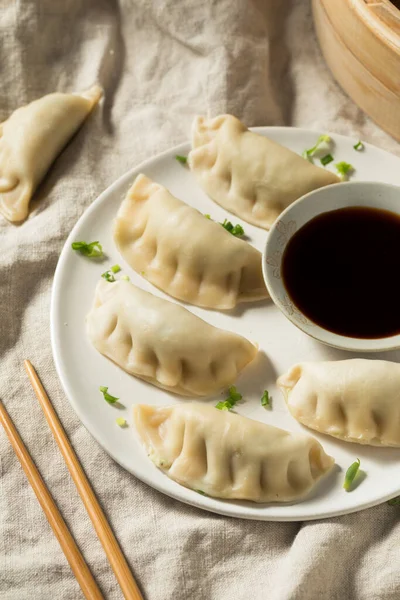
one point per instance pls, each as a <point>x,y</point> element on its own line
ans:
<point>160,63</point>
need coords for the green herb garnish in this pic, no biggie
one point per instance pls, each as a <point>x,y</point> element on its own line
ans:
<point>344,169</point>
<point>181,159</point>
<point>359,146</point>
<point>224,405</point>
<point>107,397</point>
<point>91,250</point>
<point>265,399</point>
<point>325,160</point>
<point>201,492</point>
<point>108,276</point>
<point>233,398</point>
<point>351,474</point>
<point>125,278</point>
<point>308,154</point>
<point>236,230</point>
<point>121,422</point>
<point>394,501</point>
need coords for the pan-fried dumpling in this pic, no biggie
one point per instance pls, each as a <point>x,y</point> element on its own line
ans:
<point>163,343</point>
<point>247,173</point>
<point>30,141</point>
<point>355,400</point>
<point>183,253</point>
<point>229,456</point>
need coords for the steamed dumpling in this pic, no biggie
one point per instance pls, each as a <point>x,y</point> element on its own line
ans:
<point>182,252</point>
<point>30,141</point>
<point>247,173</point>
<point>355,400</point>
<point>229,456</point>
<point>163,343</point>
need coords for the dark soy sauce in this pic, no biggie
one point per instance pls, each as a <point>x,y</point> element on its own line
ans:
<point>342,270</point>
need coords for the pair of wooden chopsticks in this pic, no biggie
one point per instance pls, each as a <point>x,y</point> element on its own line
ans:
<point>78,565</point>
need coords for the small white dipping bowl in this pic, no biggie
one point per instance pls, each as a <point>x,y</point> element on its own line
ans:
<point>332,197</point>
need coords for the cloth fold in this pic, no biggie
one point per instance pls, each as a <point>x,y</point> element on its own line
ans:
<point>160,63</point>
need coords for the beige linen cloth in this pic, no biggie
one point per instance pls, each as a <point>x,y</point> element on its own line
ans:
<point>160,63</point>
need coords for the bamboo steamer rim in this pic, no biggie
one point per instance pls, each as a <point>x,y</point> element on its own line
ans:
<point>370,31</point>
<point>360,40</point>
<point>377,26</point>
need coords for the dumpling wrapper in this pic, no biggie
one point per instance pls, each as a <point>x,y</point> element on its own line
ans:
<point>229,456</point>
<point>183,253</point>
<point>30,141</point>
<point>247,173</point>
<point>163,343</point>
<point>356,400</point>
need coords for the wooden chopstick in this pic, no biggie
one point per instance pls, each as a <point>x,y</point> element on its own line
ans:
<point>104,532</point>
<point>61,531</point>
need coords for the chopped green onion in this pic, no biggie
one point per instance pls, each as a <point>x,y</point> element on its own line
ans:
<point>233,398</point>
<point>91,250</point>
<point>325,160</point>
<point>107,397</point>
<point>108,276</point>
<point>308,154</point>
<point>143,273</point>
<point>394,501</point>
<point>236,230</point>
<point>201,492</point>
<point>223,405</point>
<point>125,278</point>
<point>344,169</point>
<point>359,146</point>
<point>351,474</point>
<point>265,399</point>
<point>234,394</point>
<point>181,159</point>
<point>121,422</point>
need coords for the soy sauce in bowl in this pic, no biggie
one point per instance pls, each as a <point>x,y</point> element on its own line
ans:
<point>334,265</point>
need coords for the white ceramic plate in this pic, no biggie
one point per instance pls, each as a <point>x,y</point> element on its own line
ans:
<point>82,370</point>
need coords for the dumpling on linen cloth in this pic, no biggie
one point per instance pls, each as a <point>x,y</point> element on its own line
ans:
<point>30,141</point>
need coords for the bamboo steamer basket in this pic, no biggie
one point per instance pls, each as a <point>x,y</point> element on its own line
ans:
<point>360,40</point>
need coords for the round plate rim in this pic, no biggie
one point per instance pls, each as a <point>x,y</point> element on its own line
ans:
<point>229,508</point>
